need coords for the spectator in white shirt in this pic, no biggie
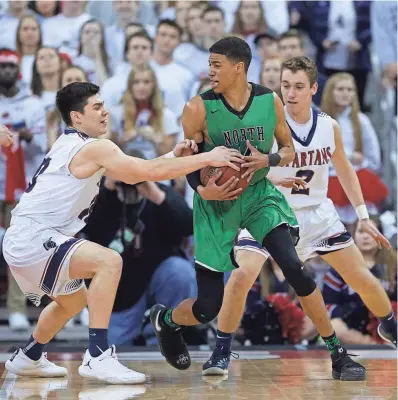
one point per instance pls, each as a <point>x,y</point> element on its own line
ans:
<point>92,56</point>
<point>174,80</point>
<point>28,42</point>
<point>340,101</point>
<point>46,76</point>
<point>126,13</point>
<point>138,51</point>
<point>142,112</point>
<point>45,9</point>
<point>194,54</point>
<point>62,30</point>
<point>249,21</point>
<point>271,74</point>
<point>9,23</point>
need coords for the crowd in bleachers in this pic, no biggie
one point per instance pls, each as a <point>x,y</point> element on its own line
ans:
<point>149,58</point>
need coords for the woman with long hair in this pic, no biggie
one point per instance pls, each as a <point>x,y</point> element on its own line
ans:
<point>92,56</point>
<point>29,39</point>
<point>340,101</point>
<point>349,316</point>
<point>45,8</point>
<point>46,76</point>
<point>249,21</point>
<point>271,74</point>
<point>142,112</point>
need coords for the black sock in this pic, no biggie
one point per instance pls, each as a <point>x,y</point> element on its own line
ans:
<point>168,319</point>
<point>332,343</point>
<point>224,340</point>
<point>33,349</point>
<point>389,323</point>
<point>98,341</point>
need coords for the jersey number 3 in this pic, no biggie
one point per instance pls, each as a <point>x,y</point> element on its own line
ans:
<point>43,166</point>
<point>307,175</point>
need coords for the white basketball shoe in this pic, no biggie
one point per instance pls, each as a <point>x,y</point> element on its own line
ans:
<point>20,364</point>
<point>107,368</point>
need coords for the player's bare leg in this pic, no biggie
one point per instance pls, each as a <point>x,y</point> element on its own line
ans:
<point>54,317</point>
<point>349,263</point>
<point>31,361</point>
<point>104,267</point>
<point>235,294</point>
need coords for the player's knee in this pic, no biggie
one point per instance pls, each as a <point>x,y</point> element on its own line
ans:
<point>206,309</point>
<point>113,262</point>
<point>299,277</point>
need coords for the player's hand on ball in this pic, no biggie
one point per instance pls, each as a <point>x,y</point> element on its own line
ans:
<point>371,230</point>
<point>185,148</point>
<point>227,191</point>
<point>290,182</point>
<point>254,162</point>
<point>6,137</point>
<point>223,157</point>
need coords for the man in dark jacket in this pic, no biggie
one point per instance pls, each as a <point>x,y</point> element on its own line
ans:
<point>146,224</point>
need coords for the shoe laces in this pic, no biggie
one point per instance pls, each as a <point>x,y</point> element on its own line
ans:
<point>45,362</point>
<point>220,352</point>
<point>112,360</point>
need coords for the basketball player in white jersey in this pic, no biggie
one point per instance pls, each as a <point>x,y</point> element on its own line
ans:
<point>5,136</point>
<point>317,140</point>
<point>40,247</point>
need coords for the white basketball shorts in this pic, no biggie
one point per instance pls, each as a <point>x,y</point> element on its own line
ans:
<point>321,232</point>
<point>39,258</point>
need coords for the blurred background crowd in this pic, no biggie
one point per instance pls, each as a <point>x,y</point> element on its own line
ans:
<point>149,57</point>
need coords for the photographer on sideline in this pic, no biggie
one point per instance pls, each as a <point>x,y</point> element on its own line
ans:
<point>146,224</point>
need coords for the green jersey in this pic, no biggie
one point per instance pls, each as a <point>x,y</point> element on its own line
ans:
<point>231,128</point>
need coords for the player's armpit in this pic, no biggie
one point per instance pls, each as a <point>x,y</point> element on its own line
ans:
<point>282,134</point>
<point>193,119</point>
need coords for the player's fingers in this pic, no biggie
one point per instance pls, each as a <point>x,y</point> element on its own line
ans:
<point>231,182</point>
<point>249,171</point>
<point>232,165</point>
<point>194,146</point>
<point>250,177</point>
<point>236,153</point>
<point>384,241</point>
<point>212,180</point>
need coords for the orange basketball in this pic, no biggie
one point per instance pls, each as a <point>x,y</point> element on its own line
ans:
<point>226,173</point>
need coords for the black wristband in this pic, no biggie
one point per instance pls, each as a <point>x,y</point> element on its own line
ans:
<point>274,159</point>
<point>194,177</point>
<point>194,180</point>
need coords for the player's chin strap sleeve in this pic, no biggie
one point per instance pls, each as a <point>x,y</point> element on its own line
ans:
<point>194,177</point>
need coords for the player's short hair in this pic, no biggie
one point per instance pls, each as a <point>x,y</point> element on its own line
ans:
<point>172,23</point>
<point>234,48</point>
<point>214,9</point>
<point>302,63</point>
<point>293,33</point>
<point>73,97</point>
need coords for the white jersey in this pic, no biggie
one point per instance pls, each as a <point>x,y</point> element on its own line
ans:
<point>55,198</point>
<point>314,144</point>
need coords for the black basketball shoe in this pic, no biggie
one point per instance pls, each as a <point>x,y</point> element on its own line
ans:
<point>344,368</point>
<point>218,363</point>
<point>171,342</point>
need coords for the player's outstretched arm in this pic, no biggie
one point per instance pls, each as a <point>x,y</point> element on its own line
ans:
<point>350,183</point>
<point>119,166</point>
<point>6,138</point>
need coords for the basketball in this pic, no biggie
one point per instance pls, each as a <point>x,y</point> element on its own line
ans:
<point>226,173</point>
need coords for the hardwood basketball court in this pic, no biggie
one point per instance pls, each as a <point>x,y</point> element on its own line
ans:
<point>256,375</point>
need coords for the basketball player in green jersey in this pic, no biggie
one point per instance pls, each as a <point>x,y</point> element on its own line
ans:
<point>244,116</point>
